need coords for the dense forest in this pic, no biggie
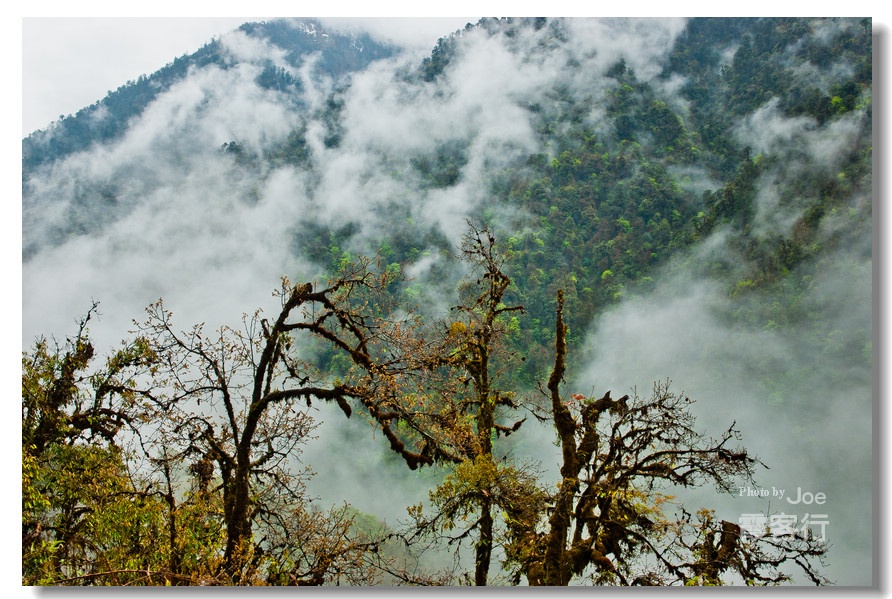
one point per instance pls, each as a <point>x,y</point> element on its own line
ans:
<point>486,254</point>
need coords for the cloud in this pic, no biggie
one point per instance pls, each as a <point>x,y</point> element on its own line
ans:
<point>803,406</point>
<point>239,47</point>
<point>797,147</point>
<point>481,103</point>
<point>183,220</point>
<point>642,42</point>
<point>419,34</point>
<point>800,389</point>
<point>212,234</point>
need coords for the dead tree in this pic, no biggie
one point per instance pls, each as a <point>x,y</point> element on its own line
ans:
<point>236,401</point>
<point>607,516</point>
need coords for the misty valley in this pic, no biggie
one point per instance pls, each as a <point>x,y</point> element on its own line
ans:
<point>555,302</point>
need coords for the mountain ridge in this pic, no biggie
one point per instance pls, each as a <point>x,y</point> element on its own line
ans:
<point>106,119</point>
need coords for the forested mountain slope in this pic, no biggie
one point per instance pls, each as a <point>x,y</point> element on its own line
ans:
<point>699,189</point>
<point>108,119</point>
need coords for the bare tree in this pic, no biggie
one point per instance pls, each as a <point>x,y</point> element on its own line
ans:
<point>236,411</point>
<point>218,421</point>
<point>606,517</point>
<point>462,367</point>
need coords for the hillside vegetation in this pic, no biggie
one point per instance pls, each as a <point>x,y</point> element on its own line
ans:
<point>474,247</point>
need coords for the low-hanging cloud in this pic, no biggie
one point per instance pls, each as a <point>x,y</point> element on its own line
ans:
<point>797,147</point>
<point>212,233</point>
<point>801,392</point>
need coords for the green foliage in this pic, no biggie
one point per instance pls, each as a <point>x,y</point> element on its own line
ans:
<point>443,169</point>
<point>600,205</point>
<point>508,487</point>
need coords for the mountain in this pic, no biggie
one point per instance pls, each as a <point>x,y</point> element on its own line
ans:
<point>701,189</point>
<point>107,119</point>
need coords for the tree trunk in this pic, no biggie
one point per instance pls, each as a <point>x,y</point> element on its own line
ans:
<point>484,544</point>
<point>238,526</point>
